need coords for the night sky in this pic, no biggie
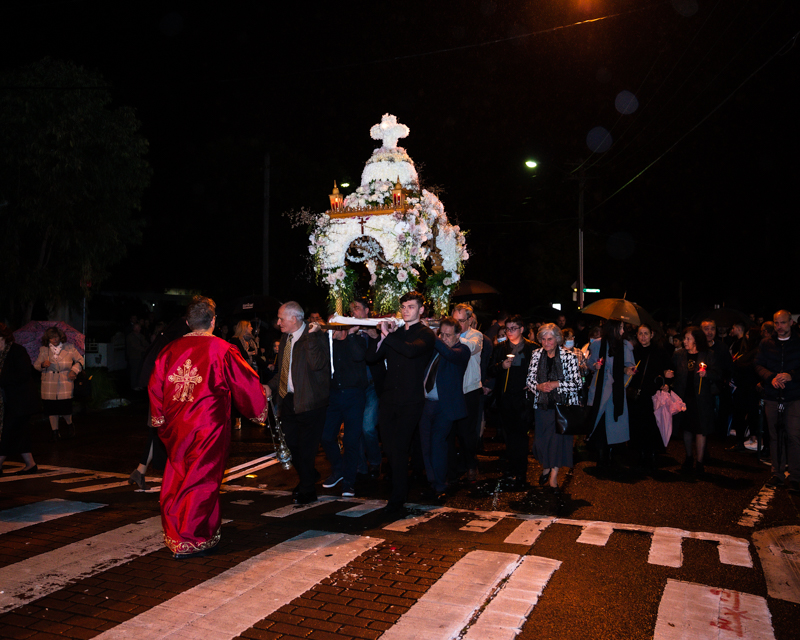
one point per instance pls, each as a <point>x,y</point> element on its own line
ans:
<point>697,186</point>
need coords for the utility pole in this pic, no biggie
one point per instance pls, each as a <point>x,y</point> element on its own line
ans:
<point>581,187</point>
<point>265,236</point>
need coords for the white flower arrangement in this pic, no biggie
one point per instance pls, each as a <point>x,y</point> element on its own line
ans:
<point>394,248</point>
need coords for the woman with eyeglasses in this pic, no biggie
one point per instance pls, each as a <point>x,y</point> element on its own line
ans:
<point>510,362</point>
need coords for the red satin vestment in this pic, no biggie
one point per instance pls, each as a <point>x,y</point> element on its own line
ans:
<point>191,388</point>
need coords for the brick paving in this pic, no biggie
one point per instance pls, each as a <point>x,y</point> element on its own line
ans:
<point>361,600</point>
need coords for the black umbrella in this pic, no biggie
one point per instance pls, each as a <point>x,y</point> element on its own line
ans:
<point>473,290</point>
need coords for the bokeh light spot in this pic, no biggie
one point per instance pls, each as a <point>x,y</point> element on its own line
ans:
<point>598,140</point>
<point>686,8</point>
<point>626,103</point>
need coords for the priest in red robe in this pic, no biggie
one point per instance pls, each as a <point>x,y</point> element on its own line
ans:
<point>194,382</point>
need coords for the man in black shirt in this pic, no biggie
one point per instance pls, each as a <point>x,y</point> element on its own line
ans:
<point>407,352</point>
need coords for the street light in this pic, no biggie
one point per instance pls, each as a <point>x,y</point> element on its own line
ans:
<point>531,164</point>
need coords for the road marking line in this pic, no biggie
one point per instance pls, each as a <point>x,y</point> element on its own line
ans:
<point>101,487</point>
<point>249,463</point>
<point>96,476</point>
<point>529,531</point>
<point>44,511</point>
<point>666,543</point>
<point>239,474</point>
<point>291,509</point>
<point>503,617</point>
<point>779,550</point>
<point>754,511</point>
<point>448,606</point>
<point>700,612</point>
<point>486,520</point>
<point>367,506</point>
<point>232,602</point>
<point>36,577</point>
<point>404,524</point>
<point>34,476</point>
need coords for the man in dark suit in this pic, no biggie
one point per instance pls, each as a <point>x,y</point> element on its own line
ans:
<point>444,402</point>
<point>301,390</point>
<point>407,351</point>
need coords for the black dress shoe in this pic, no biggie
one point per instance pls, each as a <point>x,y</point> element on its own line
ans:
<point>393,511</point>
<point>305,497</point>
<point>196,554</point>
<point>56,435</point>
<point>25,472</point>
<point>544,478</point>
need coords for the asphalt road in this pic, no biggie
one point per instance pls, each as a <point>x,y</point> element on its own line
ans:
<point>620,555</point>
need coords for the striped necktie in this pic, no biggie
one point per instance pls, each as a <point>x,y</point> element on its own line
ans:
<point>283,386</point>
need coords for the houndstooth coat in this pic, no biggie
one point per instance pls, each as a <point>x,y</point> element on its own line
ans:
<point>568,387</point>
<point>56,384</point>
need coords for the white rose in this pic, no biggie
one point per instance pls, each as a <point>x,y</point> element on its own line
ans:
<point>402,276</point>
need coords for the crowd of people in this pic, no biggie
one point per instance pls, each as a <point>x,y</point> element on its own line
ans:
<point>383,397</point>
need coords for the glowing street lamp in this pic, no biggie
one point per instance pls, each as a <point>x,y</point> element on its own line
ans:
<point>531,164</point>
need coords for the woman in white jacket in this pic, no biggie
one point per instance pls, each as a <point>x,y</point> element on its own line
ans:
<point>60,363</point>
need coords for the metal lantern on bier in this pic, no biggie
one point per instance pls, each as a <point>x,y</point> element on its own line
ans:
<point>398,196</point>
<point>336,198</point>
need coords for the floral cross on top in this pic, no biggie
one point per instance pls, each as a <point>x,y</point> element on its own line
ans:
<point>185,379</point>
<point>389,130</point>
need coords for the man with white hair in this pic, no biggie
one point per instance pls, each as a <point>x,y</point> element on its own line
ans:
<point>301,388</point>
<point>468,427</point>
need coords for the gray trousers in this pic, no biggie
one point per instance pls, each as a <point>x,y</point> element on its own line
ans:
<point>789,449</point>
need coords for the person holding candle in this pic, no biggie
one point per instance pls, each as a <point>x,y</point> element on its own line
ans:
<point>696,379</point>
<point>509,368</point>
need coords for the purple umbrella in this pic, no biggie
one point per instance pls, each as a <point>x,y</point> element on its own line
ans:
<point>30,336</point>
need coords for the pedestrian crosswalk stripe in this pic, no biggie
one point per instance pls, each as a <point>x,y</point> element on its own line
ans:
<point>485,521</point>
<point>230,603</point>
<point>448,606</point>
<point>754,511</point>
<point>94,476</point>
<point>528,531</point>
<point>103,487</point>
<point>291,509</point>
<point>33,476</point>
<point>700,612</point>
<point>36,577</point>
<point>508,610</point>
<point>407,523</point>
<point>39,512</point>
<point>362,508</point>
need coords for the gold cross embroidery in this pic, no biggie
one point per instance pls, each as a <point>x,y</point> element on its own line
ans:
<point>185,379</point>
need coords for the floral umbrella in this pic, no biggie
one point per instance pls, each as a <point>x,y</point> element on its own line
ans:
<point>30,336</point>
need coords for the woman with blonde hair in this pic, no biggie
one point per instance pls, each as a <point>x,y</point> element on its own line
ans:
<point>60,363</point>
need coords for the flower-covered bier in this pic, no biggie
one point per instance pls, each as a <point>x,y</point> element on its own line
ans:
<point>394,247</point>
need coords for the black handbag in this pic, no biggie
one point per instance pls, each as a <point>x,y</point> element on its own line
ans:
<point>82,387</point>
<point>571,420</point>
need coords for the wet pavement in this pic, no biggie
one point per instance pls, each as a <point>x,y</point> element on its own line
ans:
<point>617,554</point>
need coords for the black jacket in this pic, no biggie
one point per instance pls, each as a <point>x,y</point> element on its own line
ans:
<point>349,371</point>
<point>407,352</point>
<point>15,381</point>
<point>779,356</point>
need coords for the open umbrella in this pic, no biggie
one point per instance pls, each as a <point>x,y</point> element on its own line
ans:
<point>473,290</point>
<point>614,309</point>
<point>30,336</point>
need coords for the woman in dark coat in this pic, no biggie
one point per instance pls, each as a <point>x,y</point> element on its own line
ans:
<point>653,370</point>
<point>696,378</point>
<point>16,401</point>
<point>509,367</point>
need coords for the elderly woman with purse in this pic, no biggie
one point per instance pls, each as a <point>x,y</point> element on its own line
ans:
<point>60,363</point>
<point>554,377</point>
